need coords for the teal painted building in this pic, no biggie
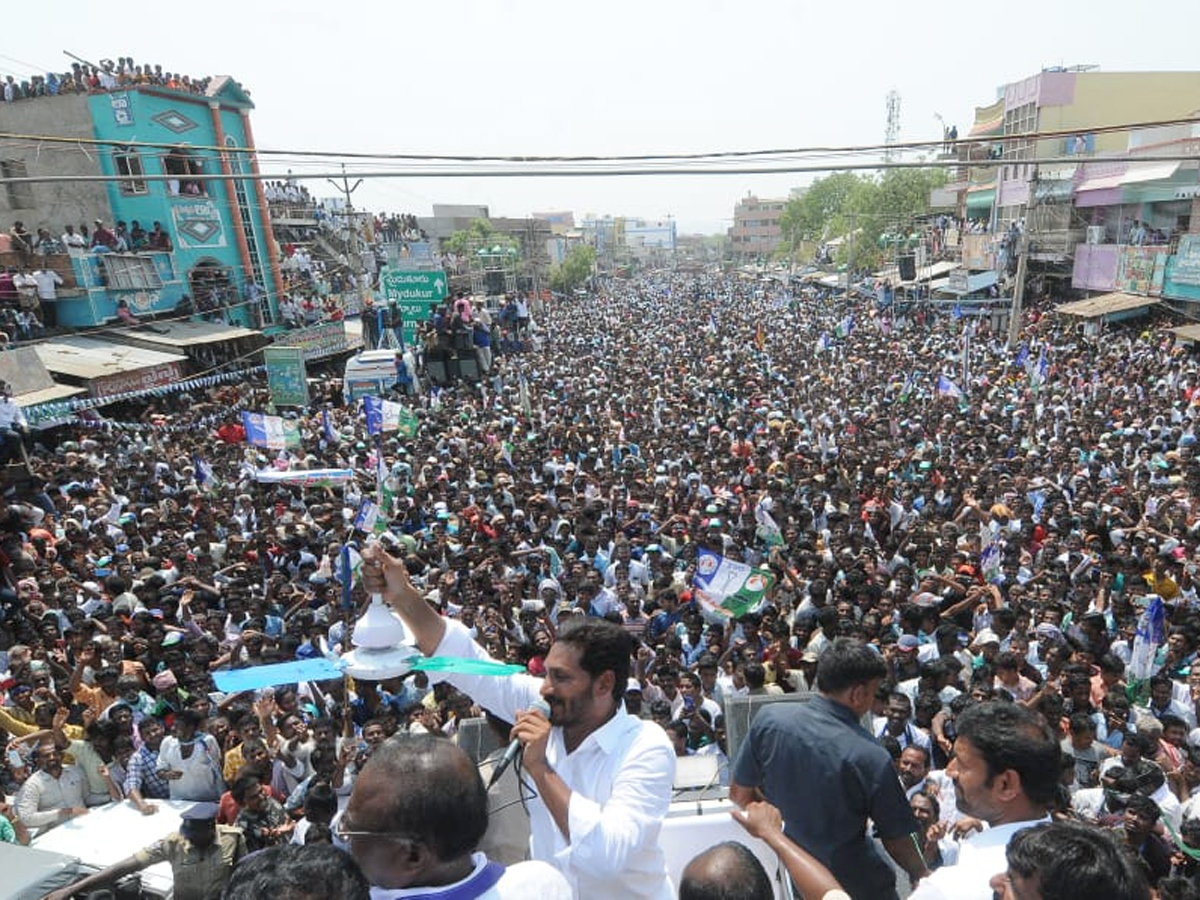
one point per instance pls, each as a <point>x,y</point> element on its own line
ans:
<point>168,166</point>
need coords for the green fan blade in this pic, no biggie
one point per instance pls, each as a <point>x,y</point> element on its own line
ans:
<point>458,666</point>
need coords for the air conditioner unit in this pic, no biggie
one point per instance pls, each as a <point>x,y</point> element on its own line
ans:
<point>1095,234</point>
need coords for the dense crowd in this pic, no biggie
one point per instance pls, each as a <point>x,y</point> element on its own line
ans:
<point>994,537</point>
<point>105,77</point>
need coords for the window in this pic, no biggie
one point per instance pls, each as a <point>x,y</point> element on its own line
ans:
<point>136,272</point>
<point>129,165</point>
<point>20,196</point>
<point>181,165</point>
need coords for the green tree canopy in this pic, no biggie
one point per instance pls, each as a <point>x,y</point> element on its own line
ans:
<point>576,268</point>
<point>868,205</point>
<point>480,233</point>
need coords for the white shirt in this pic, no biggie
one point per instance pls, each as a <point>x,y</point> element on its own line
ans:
<point>620,778</point>
<point>979,858</point>
<point>202,780</point>
<point>42,797</point>
<point>11,415</point>
<point>522,881</point>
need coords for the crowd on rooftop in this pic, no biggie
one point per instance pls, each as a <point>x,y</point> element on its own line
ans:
<point>106,76</point>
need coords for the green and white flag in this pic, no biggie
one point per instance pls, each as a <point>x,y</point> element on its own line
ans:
<point>725,589</point>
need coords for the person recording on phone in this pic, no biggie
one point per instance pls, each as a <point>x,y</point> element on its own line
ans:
<point>602,778</point>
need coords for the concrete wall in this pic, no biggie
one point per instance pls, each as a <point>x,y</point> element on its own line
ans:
<point>1111,98</point>
<point>54,205</point>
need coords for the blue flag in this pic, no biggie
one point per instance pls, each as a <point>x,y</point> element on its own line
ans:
<point>327,425</point>
<point>957,311</point>
<point>1022,354</point>
<point>204,473</point>
<point>947,388</point>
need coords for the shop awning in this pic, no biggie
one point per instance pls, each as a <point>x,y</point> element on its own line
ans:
<point>185,334</point>
<point>1105,304</point>
<point>982,199</point>
<point>107,368</point>
<point>1098,182</point>
<point>1141,172</point>
<point>980,281</point>
<point>46,395</point>
<point>1187,333</point>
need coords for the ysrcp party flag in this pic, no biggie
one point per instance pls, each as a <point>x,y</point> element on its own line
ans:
<point>382,415</point>
<point>725,588</point>
<point>271,432</point>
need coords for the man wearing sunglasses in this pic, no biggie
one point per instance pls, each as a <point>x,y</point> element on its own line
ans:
<point>418,811</point>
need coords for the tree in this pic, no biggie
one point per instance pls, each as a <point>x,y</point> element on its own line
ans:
<point>480,233</point>
<point>575,270</point>
<point>867,205</point>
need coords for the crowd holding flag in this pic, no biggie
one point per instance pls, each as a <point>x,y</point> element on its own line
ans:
<point>947,388</point>
<point>270,432</point>
<point>330,432</point>
<point>725,589</point>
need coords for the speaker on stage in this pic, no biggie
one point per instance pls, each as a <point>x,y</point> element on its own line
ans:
<point>468,368</point>
<point>493,279</point>
<point>437,370</point>
<point>908,267</point>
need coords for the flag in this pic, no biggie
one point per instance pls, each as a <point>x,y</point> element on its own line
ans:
<point>947,388</point>
<point>824,342</point>
<point>909,384</point>
<point>204,474</point>
<point>347,571</point>
<point>726,589</point>
<point>957,311</point>
<point>768,530</point>
<point>712,323</point>
<point>1151,632</point>
<point>523,395</point>
<point>760,335</point>
<point>331,434</point>
<point>1022,355</point>
<point>989,559</point>
<point>371,518</point>
<point>1043,368</point>
<point>845,326</point>
<point>384,415</point>
<point>271,432</point>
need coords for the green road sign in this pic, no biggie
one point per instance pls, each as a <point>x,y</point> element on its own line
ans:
<point>416,293</point>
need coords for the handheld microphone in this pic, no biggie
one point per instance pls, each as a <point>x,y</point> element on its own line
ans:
<point>514,748</point>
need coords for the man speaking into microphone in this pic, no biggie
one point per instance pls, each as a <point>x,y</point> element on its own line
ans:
<point>603,778</point>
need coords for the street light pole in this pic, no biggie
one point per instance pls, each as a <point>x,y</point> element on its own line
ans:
<point>353,258</point>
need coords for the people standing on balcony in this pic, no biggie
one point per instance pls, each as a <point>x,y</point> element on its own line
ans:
<point>73,241</point>
<point>22,241</point>
<point>103,239</point>
<point>158,239</point>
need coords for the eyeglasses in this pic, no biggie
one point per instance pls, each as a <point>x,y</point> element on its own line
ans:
<point>346,834</point>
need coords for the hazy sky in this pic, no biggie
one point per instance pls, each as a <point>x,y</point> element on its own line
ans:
<point>529,77</point>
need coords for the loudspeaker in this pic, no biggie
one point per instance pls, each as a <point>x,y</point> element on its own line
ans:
<point>438,371</point>
<point>494,281</point>
<point>468,368</point>
<point>464,341</point>
<point>908,267</point>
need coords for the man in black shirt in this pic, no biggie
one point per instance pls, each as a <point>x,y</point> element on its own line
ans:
<point>828,776</point>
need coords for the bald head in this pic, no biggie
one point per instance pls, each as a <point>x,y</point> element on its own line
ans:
<point>425,787</point>
<point>728,871</point>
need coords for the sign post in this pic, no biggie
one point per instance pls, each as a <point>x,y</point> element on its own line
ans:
<point>287,378</point>
<point>415,293</point>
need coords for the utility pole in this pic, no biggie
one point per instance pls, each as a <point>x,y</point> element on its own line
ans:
<point>850,255</point>
<point>353,258</point>
<point>1014,316</point>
